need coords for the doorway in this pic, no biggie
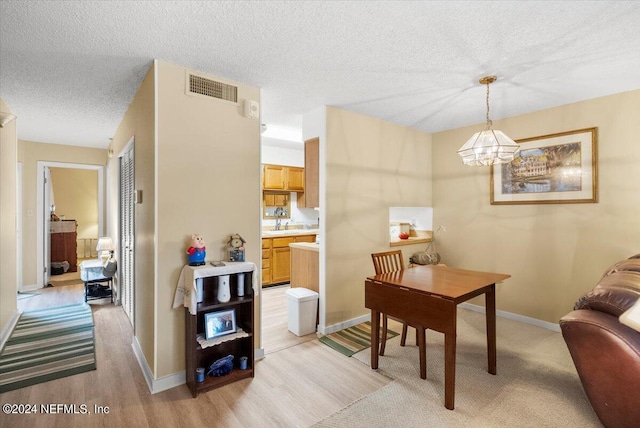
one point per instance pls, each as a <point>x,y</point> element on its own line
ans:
<point>45,196</point>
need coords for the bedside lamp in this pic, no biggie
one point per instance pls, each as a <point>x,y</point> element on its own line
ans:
<point>105,248</point>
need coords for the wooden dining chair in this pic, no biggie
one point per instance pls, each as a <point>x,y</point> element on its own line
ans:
<point>389,261</point>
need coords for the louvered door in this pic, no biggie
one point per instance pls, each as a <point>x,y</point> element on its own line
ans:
<point>127,207</point>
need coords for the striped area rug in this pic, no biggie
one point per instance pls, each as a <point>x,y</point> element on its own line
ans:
<point>48,344</point>
<point>353,339</point>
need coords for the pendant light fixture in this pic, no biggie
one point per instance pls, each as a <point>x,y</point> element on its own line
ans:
<point>489,147</point>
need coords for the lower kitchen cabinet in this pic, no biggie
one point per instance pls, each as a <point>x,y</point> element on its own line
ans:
<point>278,263</point>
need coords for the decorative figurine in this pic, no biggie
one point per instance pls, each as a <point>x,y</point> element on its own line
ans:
<point>236,248</point>
<point>196,252</point>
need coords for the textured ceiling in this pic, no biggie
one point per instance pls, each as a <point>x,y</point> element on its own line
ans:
<point>69,69</point>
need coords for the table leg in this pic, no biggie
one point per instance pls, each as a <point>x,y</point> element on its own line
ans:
<point>423,351</point>
<point>449,369</point>
<point>490,306</point>
<point>375,336</point>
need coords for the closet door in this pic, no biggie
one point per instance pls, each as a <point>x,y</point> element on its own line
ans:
<point>127,206</point>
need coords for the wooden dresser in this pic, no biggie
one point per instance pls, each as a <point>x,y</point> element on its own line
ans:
<point>64,243</point>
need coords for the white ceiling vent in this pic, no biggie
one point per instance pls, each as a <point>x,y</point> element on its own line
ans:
<point>198,85</point>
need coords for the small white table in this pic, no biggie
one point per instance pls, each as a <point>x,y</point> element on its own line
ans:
<point>91,272</point>
<point>189,287</point>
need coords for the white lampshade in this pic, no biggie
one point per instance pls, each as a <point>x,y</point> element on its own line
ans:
<point>105,244</point>
<point>489,147</point>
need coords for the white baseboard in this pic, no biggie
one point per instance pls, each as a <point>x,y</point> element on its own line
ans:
<point>172,380</point>
<point>258,353</point>
<point>342,325</point>
<point>509,315</point>
<point>30,287</point>
<point>156,385</point>
<point>5,334</point>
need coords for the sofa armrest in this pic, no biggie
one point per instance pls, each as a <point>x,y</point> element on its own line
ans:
<point>606,355</point>
<point>614,294</point>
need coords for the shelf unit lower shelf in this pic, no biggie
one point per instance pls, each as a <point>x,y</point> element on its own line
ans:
<point>212,382</point>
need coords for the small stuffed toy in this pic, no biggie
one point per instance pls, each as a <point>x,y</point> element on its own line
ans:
<point>196,252</point>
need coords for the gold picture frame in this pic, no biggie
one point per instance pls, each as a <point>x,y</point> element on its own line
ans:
<point>551,169</point>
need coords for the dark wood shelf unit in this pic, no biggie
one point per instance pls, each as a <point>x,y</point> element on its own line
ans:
<point>196,356</point>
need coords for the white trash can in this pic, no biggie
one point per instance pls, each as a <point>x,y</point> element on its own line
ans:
<point>302,308</point>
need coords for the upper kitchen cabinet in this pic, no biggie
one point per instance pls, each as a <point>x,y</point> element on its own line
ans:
<point>295,179</point>
<point>311,196</point>
<point>279,177</point>
<point>273,177</point>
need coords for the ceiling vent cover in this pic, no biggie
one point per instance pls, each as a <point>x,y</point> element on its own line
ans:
<point>211,88</point>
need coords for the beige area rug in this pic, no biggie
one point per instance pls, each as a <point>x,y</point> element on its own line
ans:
<point>62,282</point>
<point>536,385</point>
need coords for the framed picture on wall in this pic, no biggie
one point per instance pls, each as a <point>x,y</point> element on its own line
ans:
<point>551,169</point>
<point>220,323</point>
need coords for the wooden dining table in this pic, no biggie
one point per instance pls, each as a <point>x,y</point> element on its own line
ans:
<point>427,297</point>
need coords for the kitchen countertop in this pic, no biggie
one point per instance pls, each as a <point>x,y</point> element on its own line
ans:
<point>292,232</point>
<point>308,246</point>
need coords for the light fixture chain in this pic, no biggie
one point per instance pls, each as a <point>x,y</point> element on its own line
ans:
<point>488,120</point>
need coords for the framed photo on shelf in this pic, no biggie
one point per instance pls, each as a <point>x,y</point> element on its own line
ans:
<point>220,323</point>
<point>550,169</point>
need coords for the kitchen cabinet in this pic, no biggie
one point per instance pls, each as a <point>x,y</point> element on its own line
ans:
<point>273,177</point>
<point>311,196</point>
<point>276,257</point>
<point>276,199</point>
<point>305,268</point>
<point>295,179</point>
<point>280,177</point>
<point>266,261</point>
<point>280,271</point>
<point>281,259</point>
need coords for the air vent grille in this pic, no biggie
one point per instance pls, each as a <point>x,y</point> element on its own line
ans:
<point>211,88</point>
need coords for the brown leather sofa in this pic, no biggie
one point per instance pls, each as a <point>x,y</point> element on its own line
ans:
<point>606,353</point>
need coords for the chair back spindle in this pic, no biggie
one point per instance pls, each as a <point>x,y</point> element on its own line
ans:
<point>388,261</point>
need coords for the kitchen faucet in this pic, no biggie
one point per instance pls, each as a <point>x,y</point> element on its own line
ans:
<point>279,212</point>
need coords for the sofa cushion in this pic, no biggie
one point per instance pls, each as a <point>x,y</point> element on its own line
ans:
<point>614,294</point>
<point>632,265</point>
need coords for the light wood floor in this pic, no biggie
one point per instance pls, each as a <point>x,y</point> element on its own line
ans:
<point>295,385</point>
<point>275,333</point>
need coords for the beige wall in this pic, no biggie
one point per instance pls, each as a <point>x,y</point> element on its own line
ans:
<point>8,205</point>
<point>553,252</point>
<point>199,171</point>
<point>370,165</point>
<point>76,197</point>
<point>139,122</point>
<point>29,153</point>
<point>208,164</point>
